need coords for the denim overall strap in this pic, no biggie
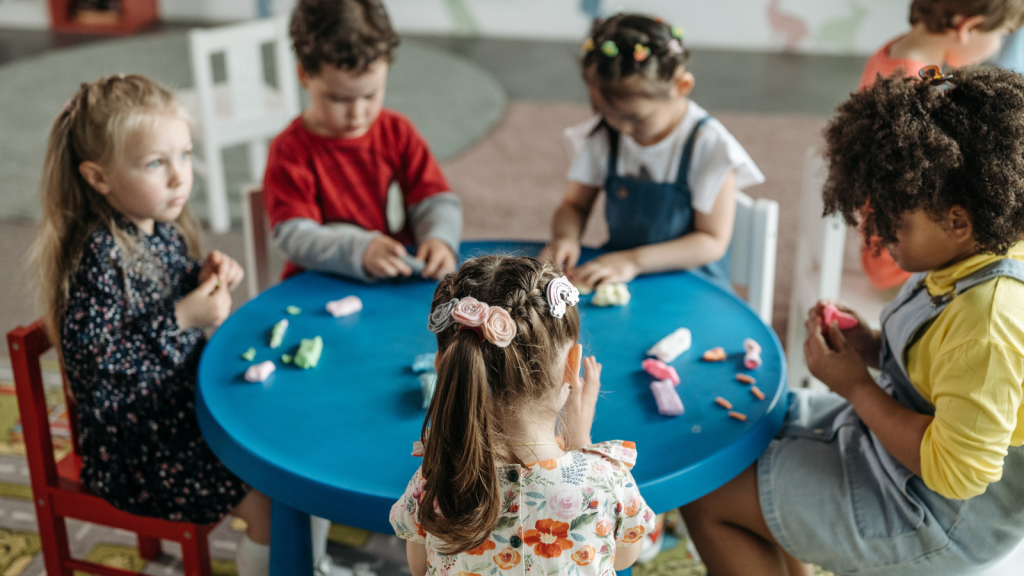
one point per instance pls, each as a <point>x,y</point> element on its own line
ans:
<point>642,212</point>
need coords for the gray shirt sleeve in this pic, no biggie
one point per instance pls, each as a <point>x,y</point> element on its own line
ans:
<point>438,216</point>
<point>337,248</point>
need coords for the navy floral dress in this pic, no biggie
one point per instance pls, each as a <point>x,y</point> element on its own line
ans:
<point>133,374</point>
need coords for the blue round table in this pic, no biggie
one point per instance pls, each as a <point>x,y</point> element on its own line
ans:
<point>336,440</point>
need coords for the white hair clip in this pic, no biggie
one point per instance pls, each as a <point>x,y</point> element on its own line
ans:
<point>560,293</point>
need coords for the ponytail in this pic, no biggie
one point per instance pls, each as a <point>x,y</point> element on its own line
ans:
<point>458,462</point>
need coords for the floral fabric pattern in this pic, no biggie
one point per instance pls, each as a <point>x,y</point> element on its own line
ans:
<point>133,374</point>
<point>562,516</point>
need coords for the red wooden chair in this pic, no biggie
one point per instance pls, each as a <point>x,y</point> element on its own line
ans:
<point>57,492</point>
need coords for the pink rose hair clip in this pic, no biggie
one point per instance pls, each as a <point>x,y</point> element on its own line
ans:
<point>491,323</point>
<point>560,293</point>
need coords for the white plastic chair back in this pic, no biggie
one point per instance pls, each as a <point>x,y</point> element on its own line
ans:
<point>246,108</point>
<point>754,244</point>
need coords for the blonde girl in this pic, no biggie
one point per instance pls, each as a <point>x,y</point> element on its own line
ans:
<point>127,297</point>
<point>509,478</point>
<point>670,172</point>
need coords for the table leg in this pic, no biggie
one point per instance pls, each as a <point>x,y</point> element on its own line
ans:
<point>291,553</point>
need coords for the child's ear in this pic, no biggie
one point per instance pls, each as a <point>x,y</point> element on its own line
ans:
<point>961,228</point>
<point>965,25</point>
<point>95,176</point>
<point>573,362</point>
<point>303,75</point>
<point>682,83</point>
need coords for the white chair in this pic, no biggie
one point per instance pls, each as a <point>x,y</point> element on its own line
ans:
<point>818,272</point>
<point>245,108</point>
<point>754,242</point>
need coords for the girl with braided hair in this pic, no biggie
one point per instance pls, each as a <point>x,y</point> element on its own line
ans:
<point>922,471</point>
<point>510,479</point>
<point>670,172</point>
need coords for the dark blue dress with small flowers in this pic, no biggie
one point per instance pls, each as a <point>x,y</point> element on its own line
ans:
<point>133,374</point>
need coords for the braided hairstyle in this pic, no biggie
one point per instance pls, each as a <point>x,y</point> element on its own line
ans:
<point>905,145</point>
<point>629,45</point>
<point>481,388</point>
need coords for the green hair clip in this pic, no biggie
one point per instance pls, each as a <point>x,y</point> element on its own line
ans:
<point>677,31</point>
<point>609,48</point>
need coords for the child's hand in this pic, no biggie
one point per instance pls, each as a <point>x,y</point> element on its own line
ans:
<point>611,268</point>
<point>383,258</point>
<point>438,256</point>
<point>838,365</point>
<point>223,266</point>
<point>207,305</point>
<point>562,253</point>
<point>582,402</point>
<point>862,338</point>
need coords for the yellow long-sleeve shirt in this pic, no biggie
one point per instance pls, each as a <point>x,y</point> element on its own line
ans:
<point>970,365</point>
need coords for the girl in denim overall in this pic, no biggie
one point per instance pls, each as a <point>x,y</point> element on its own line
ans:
<point>669,171</point>
<point>921,472</point>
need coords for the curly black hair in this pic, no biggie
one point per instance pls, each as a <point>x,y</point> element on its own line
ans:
<point>626,31</point>
<point>904,145</point>
<point>349,34</point>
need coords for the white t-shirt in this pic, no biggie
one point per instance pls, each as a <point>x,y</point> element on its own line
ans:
<point>715,153</point>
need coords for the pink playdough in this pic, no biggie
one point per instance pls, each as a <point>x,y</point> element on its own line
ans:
<point>259,372</point>
<point>660,370</point>
<point>345,307</point>
<point>669,403</point>
<point>752,358</point>
<point>832,314</point>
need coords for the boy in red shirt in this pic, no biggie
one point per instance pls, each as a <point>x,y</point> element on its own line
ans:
<point>328,174</point>
<point>951,32</point>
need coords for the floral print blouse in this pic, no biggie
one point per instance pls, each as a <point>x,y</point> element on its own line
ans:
<point>560,516</point>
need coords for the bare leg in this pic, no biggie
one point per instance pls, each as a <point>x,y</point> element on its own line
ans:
<point>731,535</point>
<point>255,510</point>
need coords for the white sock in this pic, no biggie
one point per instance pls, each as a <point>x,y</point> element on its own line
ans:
<point>252,559</point>
<point>318,528</point>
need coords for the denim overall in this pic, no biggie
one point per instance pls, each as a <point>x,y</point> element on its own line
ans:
<point>641,212</point>
<point>858,510</point>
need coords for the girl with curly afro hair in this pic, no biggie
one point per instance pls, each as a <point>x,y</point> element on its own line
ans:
<point>922,470</point>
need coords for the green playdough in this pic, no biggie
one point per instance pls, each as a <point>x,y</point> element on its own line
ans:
<point>249,354</point>
<point>293,310</point>
<point>277,333</point>
<point>286,358</point>
<point>309,352</point>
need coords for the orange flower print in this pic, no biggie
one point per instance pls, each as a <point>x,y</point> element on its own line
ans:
<point>583,556</point>
<point>628,444</point>
<point>603,528</point>
<point>549,539</point>
<point>633,506</point>
<point>633,534</point>
<point>479,550</point>
<point>507,559</point>
<point>548,464</point>
<point>421,531</point>
<point>464,573</point>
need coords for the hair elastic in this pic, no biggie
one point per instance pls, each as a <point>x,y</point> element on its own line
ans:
<point>641,52</point>
<point>934,77</point>
<point>609,48</point>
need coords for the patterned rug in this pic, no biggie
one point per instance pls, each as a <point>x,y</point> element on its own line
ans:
<point>368,553</point>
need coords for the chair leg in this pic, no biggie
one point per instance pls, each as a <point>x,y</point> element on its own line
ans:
<point>53,536</point>
<point>195,555</point>
<point>149,548</point>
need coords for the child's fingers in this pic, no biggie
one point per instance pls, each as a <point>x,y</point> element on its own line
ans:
<point>209,285</point>
<point>401,268</point>
<point>836,337</point>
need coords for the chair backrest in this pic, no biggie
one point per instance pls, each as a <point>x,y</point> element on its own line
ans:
<point>257,99</point>
<point>256,234</point>
<point>250,106</point>
<point>26,345</point>
<point>754,244</point>
<point>821,240</point>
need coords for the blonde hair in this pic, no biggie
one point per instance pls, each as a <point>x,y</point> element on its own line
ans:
<point>95,125</point>
<point>481,388</point>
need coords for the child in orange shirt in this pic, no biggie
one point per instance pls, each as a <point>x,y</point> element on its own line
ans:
<point>951,32</point>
